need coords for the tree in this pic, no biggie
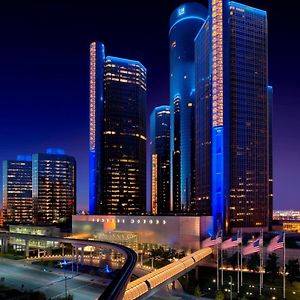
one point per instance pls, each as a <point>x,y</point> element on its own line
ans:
<point>272,266</point>
<point>197,291</point>
<point>253,262</point>
<point>219,295</point>
<point>293,269</point>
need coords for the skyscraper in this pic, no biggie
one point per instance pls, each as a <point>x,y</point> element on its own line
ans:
<point>235,89</point>
<point>17,190</point>
<point>160,159</point>
<point>53,187</point>
<point>270,116</point>
<point>185,23</point>
<point>117,134</point>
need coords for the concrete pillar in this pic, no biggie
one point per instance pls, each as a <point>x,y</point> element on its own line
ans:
<point>63,250</point>
<point>173,285</point>
<point>91,257</point>
<point>197,273</point>
<point>76,254</point>
<point>6,245</point>
<point>82,256</point>
<point>26,248</point>
<point>39,253</point>
<point>3,242</point>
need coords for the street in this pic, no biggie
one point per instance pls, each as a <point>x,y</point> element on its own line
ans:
<point>18,273</point>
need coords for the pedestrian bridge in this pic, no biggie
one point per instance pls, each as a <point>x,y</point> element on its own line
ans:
<point>149,284</point>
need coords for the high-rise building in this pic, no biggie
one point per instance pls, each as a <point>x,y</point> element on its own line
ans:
<point>17,190</point>
<point>160,159</point>
<point>53,187</point>
<point>185,23</point>
<point>203,120</point>
<point>117,134</point>
<point>235,139</point>
<point>270,116</point>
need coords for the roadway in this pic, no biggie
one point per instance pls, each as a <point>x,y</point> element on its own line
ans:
<point>82,286</point>
<point>115,290</point>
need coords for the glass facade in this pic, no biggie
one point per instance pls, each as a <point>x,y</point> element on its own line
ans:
<point>160,155</point>
<point>124,137</point>
<point>249,136</point>
<point>270,115</point>
<point>203,120</point>
<point>117,134</point>
<point>235,86</point>
<point>17,191</point>
<point>53,187</point>
<point>185,23</point>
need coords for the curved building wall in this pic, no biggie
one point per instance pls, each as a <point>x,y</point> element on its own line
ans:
<point>185,23</point>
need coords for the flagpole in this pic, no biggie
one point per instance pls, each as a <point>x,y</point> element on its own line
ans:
<point>262,259</point>
<point>241,232</point>
<point>222,265</point>
<point>260,266</point>
<point>284,265</point>
<point>217,266</point>
<point>238,267</point>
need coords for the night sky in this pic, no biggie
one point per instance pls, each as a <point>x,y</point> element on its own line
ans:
<point>44,65</point>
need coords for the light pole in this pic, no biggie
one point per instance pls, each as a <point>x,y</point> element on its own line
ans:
<point>230,277</point>
<point>64,263</point>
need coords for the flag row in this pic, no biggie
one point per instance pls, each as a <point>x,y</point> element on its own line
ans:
<point>253,246</point>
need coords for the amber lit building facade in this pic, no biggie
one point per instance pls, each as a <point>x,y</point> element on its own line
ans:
<point>117,134</point>
<point>17,191</point>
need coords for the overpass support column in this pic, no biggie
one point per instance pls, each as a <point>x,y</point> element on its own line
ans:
<point>197,273</point>
<point>4,245</point>
<point>26,248</point>
<point>82,255</point>
<point>62,249</point>
<point>76,254</point>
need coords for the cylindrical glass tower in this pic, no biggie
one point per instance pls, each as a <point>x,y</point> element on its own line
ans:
<point>185,23</point>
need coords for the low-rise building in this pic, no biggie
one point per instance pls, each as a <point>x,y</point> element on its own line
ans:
<point>179,232</point>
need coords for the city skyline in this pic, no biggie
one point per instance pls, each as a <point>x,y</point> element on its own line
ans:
<point>63,132</point>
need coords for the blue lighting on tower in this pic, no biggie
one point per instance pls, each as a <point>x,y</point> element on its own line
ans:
<point>55,151</point>
<point>97,58</point>
<point>185,23</point>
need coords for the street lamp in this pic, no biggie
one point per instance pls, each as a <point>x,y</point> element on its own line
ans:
<point>63,264</point>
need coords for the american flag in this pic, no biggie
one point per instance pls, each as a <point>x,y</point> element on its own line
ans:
<point>212,241</point>
<point>232,242</point>
<point>254,247</point>
<point>276,243</point>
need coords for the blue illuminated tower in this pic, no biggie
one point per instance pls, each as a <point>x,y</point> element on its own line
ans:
<point>160,159</point>
<point>235,137</point>
<point>185,23</point>
<point>270,115</point>
<point>117,134</point>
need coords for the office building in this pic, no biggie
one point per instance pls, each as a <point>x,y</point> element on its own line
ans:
<point>235,88</point>
<point>270,116</point>
<point>117,134</point>
<point>17,190</point>
<point>53,187</point>
<point>185,23</point>
<point>160,159</point>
